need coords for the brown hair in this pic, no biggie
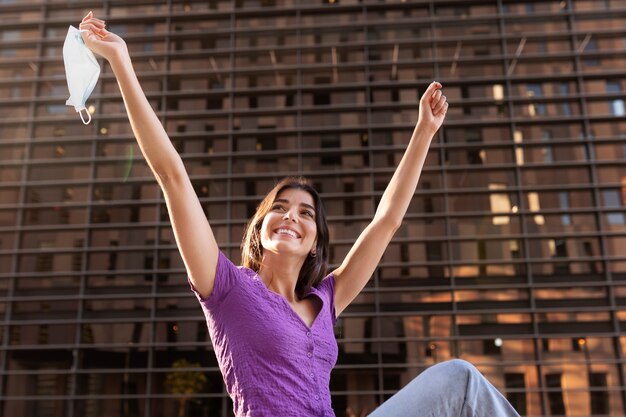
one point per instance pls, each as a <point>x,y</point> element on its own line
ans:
<point>314,268</point>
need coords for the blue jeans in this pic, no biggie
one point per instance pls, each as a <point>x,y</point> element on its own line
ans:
<point>449,389</point>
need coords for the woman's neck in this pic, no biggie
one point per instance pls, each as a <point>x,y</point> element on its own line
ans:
<point>280,274</point>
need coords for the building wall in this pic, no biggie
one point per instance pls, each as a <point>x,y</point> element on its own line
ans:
<point>511,254</point>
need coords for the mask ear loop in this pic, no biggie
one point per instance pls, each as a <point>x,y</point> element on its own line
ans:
<point>82,118</point>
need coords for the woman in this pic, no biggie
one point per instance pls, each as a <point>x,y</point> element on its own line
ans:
<point>271,320</point>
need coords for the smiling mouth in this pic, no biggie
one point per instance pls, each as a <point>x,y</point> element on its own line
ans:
<point>288,232</point>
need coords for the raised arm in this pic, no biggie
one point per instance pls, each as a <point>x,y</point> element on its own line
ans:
<point>361,261</point>
<point>193,234</point>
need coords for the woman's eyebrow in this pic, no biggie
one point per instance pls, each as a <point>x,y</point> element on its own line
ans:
<point>308,206</point>
<point>285,201</point>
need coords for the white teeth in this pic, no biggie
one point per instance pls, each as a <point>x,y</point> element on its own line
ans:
<point>287,232</point>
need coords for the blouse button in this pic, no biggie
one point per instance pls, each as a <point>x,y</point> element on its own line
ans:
<point>317,397</point>
<point>309,354</point>
<point>308,334</point>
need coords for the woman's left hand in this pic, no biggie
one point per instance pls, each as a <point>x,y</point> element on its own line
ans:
<point>433,108</point>
<point>101,41</point>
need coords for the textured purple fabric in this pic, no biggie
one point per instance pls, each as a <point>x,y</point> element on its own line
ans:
<point>272,363</point>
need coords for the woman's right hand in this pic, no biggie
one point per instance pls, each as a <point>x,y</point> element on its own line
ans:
<point>101,41</point>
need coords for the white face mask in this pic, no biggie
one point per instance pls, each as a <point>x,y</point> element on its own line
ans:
<point>81,70</point>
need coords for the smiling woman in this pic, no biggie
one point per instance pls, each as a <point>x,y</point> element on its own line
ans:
<point>271,320</point>
<point>293,204</point>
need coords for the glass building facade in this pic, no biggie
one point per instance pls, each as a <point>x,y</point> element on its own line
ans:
<point>512,254</point>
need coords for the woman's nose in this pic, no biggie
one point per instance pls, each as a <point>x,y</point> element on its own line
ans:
<point>289,216</point>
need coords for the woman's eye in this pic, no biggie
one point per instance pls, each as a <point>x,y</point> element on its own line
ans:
<point>277,207</point>
<point>308,213</point>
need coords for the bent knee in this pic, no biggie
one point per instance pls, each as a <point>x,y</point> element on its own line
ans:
<point>456,367</point>
<point>451,377</point>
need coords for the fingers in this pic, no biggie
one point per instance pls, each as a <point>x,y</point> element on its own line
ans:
<point>92,20</point>
<point>443,110</point>
<point>91,30</point>
<point>89,26</point>
<point>88,36</point>
<point>434,98</point>
<point>93,26</point>
<point>89,16</point>
<point>432,88</point>
<point>438,103</point>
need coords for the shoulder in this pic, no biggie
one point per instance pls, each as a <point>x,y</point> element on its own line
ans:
<point>327,285</point>
<point>227,277</point>
<point>326,290</point>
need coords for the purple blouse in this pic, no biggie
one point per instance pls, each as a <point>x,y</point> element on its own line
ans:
<point>273,364</point>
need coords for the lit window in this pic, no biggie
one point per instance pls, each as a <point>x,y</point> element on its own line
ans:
<point>533,204</point>
<point>518,138</point>
<point>498,92</point>
<point>500,203</point>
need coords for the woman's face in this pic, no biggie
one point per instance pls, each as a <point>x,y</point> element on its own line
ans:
<point>289,226</point>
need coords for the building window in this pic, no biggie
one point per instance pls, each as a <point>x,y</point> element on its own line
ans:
<point>500,203</point>
<point>266,143</point>
<point>547,150</point>
<point>465,95</point>
<point>330,142</point>
<point>535,207</point>
<point>44,261</point>
<point>555,394</point>
<point>112,261</point>
<point>591,48</point>
<point>566,107</point>
<point>148,29</point>
<point>428,200</point>
<point>490,347</point>
<point>475,156</point>
<point>598,396</point>
<point>251,191</point>
<point>515,382</point>
<point>348,203</point>
<point>558,250</point>
<point>481,248</point>
<point>77,257</point>
<point>589,252</point>
<point>613,199</point>
<point>404,258</point>
<point>518,139</point>
<point>616,106</point>
<point>321,98</point>
<point>535,109</point>
<point>434,254</point>
<point>566,219</point>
